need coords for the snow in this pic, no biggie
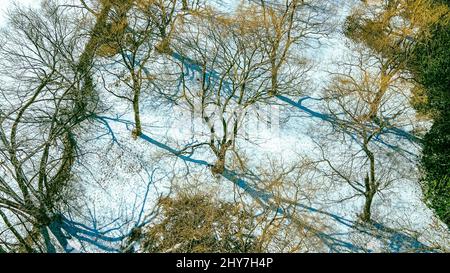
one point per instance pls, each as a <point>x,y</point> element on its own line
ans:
<point>5,4</point>
<point>122,177</point>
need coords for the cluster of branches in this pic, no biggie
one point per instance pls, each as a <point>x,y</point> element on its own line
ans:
<point>395,35</point>
<point>57,60</point>
<point>45,98</point>
<point>49,91</point>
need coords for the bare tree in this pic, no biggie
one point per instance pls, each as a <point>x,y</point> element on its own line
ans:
<point>40,119</point>
<point>136,31</point>
<point>232,69</point>
<point>366,98</point>
<point>288,26</point>
<point>201,218</point>
<point>130,37</point>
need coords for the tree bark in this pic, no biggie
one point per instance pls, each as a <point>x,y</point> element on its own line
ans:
<point>370,185</point>
<point>367,211</point>
<point>219,166</point>
<point>137,131</point>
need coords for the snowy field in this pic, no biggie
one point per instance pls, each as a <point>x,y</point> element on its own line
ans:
<point>121,178</point>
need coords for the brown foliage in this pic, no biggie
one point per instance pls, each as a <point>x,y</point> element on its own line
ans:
<point>198,223</point>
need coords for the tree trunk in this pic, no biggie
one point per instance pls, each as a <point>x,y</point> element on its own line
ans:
<point>86,92</point>
<point>185,5</point>
<point>137,131</point>
<point>219,166</point>
<point>366,214</point>
<point>274,80</point>
<point>370,185</point>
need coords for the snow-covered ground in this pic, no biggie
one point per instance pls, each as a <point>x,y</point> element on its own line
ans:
<point>6,4</point>
<point>121,178</point>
